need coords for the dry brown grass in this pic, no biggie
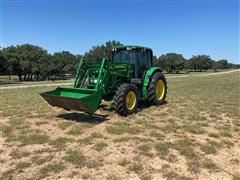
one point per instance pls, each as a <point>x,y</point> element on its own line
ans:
<point>195,135</point>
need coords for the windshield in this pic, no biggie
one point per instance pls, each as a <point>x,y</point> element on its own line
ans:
<point>125,56</point>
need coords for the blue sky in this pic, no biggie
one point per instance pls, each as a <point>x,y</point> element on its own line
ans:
<point>186,27</point>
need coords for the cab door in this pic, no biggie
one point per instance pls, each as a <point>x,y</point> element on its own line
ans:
<point>144,61</point>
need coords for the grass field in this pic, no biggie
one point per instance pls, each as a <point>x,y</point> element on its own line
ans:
<point>5,81</point>
<point>196,135</point>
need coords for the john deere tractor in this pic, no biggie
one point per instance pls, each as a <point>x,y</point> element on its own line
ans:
<point>128,79</point>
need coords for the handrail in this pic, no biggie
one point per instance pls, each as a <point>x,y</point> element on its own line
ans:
<point>100,73</point>
<point>77,74</point>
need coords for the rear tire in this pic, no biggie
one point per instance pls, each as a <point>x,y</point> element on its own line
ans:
<point>126,99</point>
<point>157,89</point>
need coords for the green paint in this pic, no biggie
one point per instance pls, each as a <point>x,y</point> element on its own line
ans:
<point>147,78</point>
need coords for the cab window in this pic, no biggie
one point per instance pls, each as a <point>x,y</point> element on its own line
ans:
<point>125,56</point>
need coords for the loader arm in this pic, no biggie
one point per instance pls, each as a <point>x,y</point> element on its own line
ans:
<point>87,92</point>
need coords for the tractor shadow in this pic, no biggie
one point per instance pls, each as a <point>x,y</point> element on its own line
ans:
<point>83,117</point>
<point>98,118</point>
<point>143,105</point>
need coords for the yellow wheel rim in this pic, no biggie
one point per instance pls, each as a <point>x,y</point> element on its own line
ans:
<point>131,100</point>
<point>160,89</point>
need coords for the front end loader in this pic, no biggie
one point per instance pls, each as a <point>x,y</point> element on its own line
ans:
<point>127,79</point>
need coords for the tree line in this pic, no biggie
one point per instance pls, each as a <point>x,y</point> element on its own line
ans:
<point>174,63</point>
<point>31,62</point>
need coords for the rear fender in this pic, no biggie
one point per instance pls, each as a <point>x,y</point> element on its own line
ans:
<point>147,78</point>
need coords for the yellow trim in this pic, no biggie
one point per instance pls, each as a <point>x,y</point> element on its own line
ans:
<point>131,100</point>
<point>160,89</point>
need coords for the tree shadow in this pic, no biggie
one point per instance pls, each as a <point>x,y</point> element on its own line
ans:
<point>141,106</point>
<point>83,117</point>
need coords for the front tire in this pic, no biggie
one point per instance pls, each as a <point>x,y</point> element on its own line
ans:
<point>126,99</point>
<point>157,89</point>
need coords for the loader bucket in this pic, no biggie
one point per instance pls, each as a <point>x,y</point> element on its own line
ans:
<point>86,100</point>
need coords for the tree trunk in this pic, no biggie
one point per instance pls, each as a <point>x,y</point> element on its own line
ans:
<point>24,78</point>
<point>20,77</point>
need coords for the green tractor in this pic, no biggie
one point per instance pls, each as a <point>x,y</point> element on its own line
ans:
<point>127,79</point>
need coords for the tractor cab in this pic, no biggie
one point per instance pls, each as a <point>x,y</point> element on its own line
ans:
<point>140,57</point>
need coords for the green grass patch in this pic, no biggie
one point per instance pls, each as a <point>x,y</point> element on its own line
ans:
<point>113,177</point>
<point>236,129</point>
<point>146,177</point>
<point>173,175</point>
<point>135,166</point>
<point>16,121</point>
<point>33,138</point>
<point>64,124</point>
<point>170,127</point>
<point>122,128</point>
<point>22,165</point>
<point>236,176</point>
<point>92,164</point>
<point>96,135</point>
<point>100,146</point>
<point>53,167</point>
<point>6,130</point>
<point>89,140</point>
<point>225,133</point>
<point>208,149</point>
<point>157,135</point>
<point>60,142</point>
<point>214,135</point>
<point>224,127</point>
<point>86,141</point>
<point>163,148</point>
<point>215,143</point>
<point>75,130</point>
<point>227,143</point>
<point>194,129</point>
<point>76,158</point>
<point>210,165</point>
<point>85,176</point>
<point>146,124</point>
<point>144,147</point>
<point>8,174</point>
<point>26,103</point>
<point>17,154</point>
<point>186,148</point>
<point>40,159</point>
